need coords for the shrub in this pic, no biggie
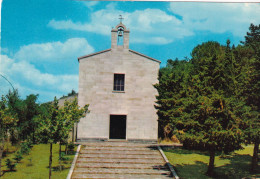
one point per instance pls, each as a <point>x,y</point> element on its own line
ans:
<point>25,147</point>
<point>63,157</point>
<point>71,147</point>
<point>18,157</point>
<point>10,165</point>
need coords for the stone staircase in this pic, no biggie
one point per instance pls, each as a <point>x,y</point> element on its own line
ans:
<point>120,160</point>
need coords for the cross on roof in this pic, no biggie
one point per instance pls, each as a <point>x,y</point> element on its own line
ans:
<point>121,18</point>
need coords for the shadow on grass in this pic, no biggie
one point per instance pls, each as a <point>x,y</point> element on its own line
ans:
<point>186,151</point>
<point>238,167</point>
<point>196,171</point>
<point>57,168</point>
<point>9,152</point>
<point>7,171</point>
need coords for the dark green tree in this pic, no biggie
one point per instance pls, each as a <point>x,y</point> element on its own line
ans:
<point>251,88</point>
<point>31,110</point>
<point>26,110</point>
<point>170,87</point>
<point>204,112</point>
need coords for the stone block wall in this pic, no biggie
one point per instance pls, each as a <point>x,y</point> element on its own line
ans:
<point>96,75</point>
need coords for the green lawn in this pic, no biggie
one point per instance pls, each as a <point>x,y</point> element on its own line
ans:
<point>35,165</point>
<point>193,164</point>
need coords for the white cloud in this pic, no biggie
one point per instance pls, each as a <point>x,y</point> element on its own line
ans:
<point>3,50</point>
<point>147,26</point>
<point>24,74</point>
<point>155,26</point>
<point>30,69</point>
<point>90,4</point>
<point>54,51</point>
<point>218,17</point>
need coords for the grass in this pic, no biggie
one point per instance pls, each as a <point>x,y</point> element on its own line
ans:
<point>35,165</point>
<point>193,164</point>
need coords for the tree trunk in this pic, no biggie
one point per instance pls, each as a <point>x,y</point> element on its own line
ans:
<point>72,133</point>
<point>254,164</point>
<point>50,161</point>
<point>211,162</point>
<point>76,132</point>
<point>66,149</point>
<point>60,156</point>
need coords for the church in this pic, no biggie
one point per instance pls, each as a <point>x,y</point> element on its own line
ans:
<point>117,83</point>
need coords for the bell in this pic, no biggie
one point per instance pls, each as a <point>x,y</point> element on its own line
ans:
<point>120,34</point>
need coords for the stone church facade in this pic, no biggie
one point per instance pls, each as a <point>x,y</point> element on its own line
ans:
<point>117,83</point>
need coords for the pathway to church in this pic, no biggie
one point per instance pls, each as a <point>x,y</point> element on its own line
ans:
<point>120,160</point>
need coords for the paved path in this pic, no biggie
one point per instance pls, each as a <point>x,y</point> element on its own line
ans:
<point>120,160</point>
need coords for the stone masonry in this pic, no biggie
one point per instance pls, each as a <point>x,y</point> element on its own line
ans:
<point>96,75</point>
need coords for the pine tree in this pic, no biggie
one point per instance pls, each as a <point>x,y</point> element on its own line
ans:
<point>251,89</point>
<point>199,103</point>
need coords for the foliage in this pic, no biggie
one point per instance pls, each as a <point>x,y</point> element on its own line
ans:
<point>69,114</point>
<point>10,165</point>
<point>171,81</point>
<point>18,157</point>
<point>212,101</point>
<point>57,122</point>
<point>199,101</point>
<point>63,157</point>
<point>71,146</point>
<point>25,110</point>
<point>25,147</point>
<point>7,123</point>
<point>72,93</point>
<point>251,89</point>
<point>7,118</point>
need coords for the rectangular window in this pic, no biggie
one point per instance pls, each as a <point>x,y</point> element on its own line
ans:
<point>119,82</point>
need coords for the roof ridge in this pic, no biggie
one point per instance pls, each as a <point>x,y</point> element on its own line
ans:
<point>103,51</point>
<point>79,58</point>
<point>144,56</point>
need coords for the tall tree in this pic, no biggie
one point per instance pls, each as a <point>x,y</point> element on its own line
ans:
<point>205,114</point>
<point>31,111</point>
<point>69,114</point>
<point>251,86</point>
<point>7,122</point>
<point>49,120</point>
<point>57,122</point>
<point>17,107</point>
<point>26,110</point>
<point>170,88</point>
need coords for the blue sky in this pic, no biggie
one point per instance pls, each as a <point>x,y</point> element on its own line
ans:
<point>41,40</point>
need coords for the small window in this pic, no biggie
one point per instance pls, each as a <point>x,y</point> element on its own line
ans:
<point>119,82</point>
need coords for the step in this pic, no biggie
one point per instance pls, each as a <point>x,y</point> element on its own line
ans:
<point>118,149</point>
<point>121,171</point>
<point>132,152</point>
<point>106,160</point>
<point>120,156</point>
<point>121,165</point>
<point>121,176</point>
<point>114,144</point>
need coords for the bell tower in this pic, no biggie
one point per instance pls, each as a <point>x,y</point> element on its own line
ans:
<point>120,36</point>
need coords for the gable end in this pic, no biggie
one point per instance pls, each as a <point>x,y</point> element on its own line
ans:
<point>150,58</point>
<point>92,54</point>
